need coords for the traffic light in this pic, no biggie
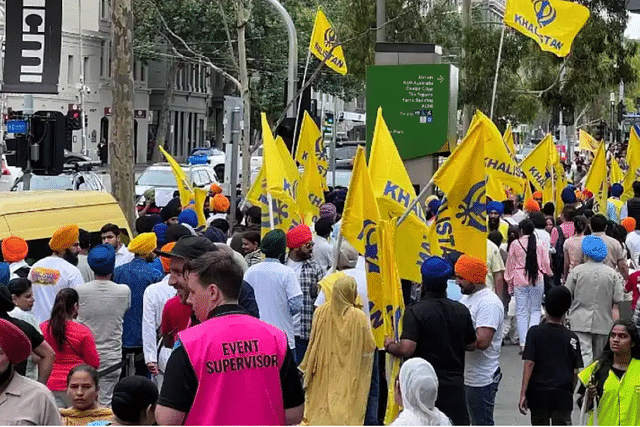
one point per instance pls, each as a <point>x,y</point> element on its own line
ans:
<point>622,110</point>
<point>601,132</point>
<point>47,142</point>
<point>74,119</point>
<point>328,122</point>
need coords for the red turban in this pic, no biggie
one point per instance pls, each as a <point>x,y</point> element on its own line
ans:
<point>14,342</point>
<point>14,249</point>
<point>472,269</point>
<point>299,236</point>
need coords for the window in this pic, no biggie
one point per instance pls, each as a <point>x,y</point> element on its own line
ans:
<point>142,69</point>
<point>70,70</point>
<point>103,59</point>
<point>86,70</point>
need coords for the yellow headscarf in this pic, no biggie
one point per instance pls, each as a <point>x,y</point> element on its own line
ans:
<point>337,365</point>
<point>143,244</point>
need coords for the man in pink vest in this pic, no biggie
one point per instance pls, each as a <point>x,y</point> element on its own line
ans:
<point>231,369</point>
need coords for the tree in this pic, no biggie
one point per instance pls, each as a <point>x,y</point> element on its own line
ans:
<point>121,141</point>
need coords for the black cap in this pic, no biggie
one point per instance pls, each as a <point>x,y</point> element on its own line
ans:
<point>190,247</point>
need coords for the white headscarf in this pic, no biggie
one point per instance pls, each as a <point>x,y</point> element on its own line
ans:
<point>419,389</point>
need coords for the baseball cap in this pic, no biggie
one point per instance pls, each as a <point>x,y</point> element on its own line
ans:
<point>190,247</point>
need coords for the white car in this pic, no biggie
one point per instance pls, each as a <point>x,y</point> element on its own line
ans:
<point>160,176</point>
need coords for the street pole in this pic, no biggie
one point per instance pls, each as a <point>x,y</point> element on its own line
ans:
<point>293,55</point>
<point>612,99</point>
<point>32,153</point>
<point>333,139</point>
<point>82,86</point>
<point>381,17</point>
<point>495,80</point>
<point>235,142</point>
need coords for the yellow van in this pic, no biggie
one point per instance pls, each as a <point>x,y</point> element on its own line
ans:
<point>36,215</point>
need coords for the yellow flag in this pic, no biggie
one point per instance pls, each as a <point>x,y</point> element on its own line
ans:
<point>311,191</point>
<point>553,24</point>
<point>527,191</point>
<point>495,189</point>
<point>498,161</point>
<point>253,196</point>
<point>394,192</point>
<point>508,139</point>
<point>633,160</point>
<point>360,216</point>
<point>310,141</point>
<point>615,176</point>
<point>323,40</point>
<point>184,186</point>
<point>596,181</point>
<point>587,142</point>
<point>536,166</point>
<point>200,197</point>
<point>463,221</point>
<point>282,179</point>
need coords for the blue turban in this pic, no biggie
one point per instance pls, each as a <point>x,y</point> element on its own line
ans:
<point>594,247</point>
<point>215,235</point>
<point>102,259</point>
<point>617,190</point>
<point>189,217</point>
<point>435,273</point>
<point>160,230</point>
<point>568,195</point>
<point>5,274</point>
<point>495,207</point>
<point>434,205</point>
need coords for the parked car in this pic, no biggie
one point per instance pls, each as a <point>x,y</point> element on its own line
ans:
<point>74,181</point>
<point>214,155</point>
<point>160,176</point>
<point>78,158</point>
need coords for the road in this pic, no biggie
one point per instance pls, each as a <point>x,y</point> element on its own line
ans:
<point>506,409</point>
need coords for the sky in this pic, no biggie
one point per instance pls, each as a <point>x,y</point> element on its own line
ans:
<point>633,27</point>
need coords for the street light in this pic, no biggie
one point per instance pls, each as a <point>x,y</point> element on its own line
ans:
<point>612,101</point>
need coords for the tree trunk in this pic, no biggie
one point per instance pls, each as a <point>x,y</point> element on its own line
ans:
<point>243,12</point>
<point>165,113</point>
<point>121,141</point>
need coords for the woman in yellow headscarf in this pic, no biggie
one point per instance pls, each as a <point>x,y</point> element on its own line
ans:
<point>337,365</point>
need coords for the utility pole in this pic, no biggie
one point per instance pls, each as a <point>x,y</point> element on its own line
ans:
<point>466,25</point>
<point>121,141</point>
<point>82,80</point>
<point>242,17</point>
<point>233,181</point>
<point>381,18</point>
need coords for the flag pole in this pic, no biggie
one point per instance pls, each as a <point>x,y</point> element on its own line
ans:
<point>414,202</point>
<point>294,144</point>
<point>495,80</point>
<point>270,200</point>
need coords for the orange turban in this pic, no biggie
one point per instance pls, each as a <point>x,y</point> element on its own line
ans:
<point>219,203</point>
<point>14,249</point>
<point>215,189</point>
<point>166,261</point>
<point>628,223</point>
<point>531,205</point>
<point>472,269</point>
<point>537,195</point>
<point>64,238</point>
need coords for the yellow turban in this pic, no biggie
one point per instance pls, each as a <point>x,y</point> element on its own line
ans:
<point>64,238</point>
<point>143,244</point>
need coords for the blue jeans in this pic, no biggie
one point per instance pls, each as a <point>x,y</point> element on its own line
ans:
<point>371,415</point>
<point>301,349</point>
<point>481,400</point>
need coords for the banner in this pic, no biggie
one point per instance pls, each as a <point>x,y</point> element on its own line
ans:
<point>311,141</point>
<point>536,166</point>
<point>596,181</point>
<point>200,196</point>
<point>508,140</point>
<point>615,176</point>
<point>633,160</point>
<point>33,34</point>
<point>323,40</point>
<point>184,186</point>
<point>462,179</point>
<point>311,194</point>
<point>553,24</point>
<point>587,142</point>
<point>394,192</point>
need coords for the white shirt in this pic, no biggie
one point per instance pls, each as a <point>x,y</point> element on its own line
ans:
<point>297,268</point>
<point>123,256</point>
<point>519,216</point>
<point>274,285</point>
<point>216,216</point>
<point>48,276</point>
<point>487,311</point>
<point>633,244</point>
<point>153,300</point>
<point>15,266</point>
<point>360,274</point>
<point>86,271</point>
<point>543,237</point>
<point>323,252</point>
<point>102,308</point>
<point>26,316</point>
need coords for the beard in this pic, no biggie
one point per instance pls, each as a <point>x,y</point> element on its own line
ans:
<point>494,223</point>
<point>70,257</point>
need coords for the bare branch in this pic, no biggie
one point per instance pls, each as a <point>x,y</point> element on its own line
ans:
<point>232,52</point>
<point>556,81</point>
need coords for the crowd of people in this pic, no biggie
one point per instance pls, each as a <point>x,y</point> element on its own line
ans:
<point>218,324</point>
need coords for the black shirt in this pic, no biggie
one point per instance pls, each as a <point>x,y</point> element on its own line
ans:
<point>180,382</point>
<point>442,328</point>
<point>555,352</point>
<point>35,337</point>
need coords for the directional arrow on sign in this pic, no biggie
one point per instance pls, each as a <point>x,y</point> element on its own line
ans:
<point>441,79</point>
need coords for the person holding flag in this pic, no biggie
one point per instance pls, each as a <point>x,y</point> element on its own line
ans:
<point>616,208</point>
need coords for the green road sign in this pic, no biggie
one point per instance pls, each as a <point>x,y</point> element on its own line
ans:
<point>419,104</point>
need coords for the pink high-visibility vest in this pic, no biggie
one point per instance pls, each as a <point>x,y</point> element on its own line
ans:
<point>237,360</point>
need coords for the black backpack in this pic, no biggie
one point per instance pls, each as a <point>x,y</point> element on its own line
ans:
<point>557,259</point>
